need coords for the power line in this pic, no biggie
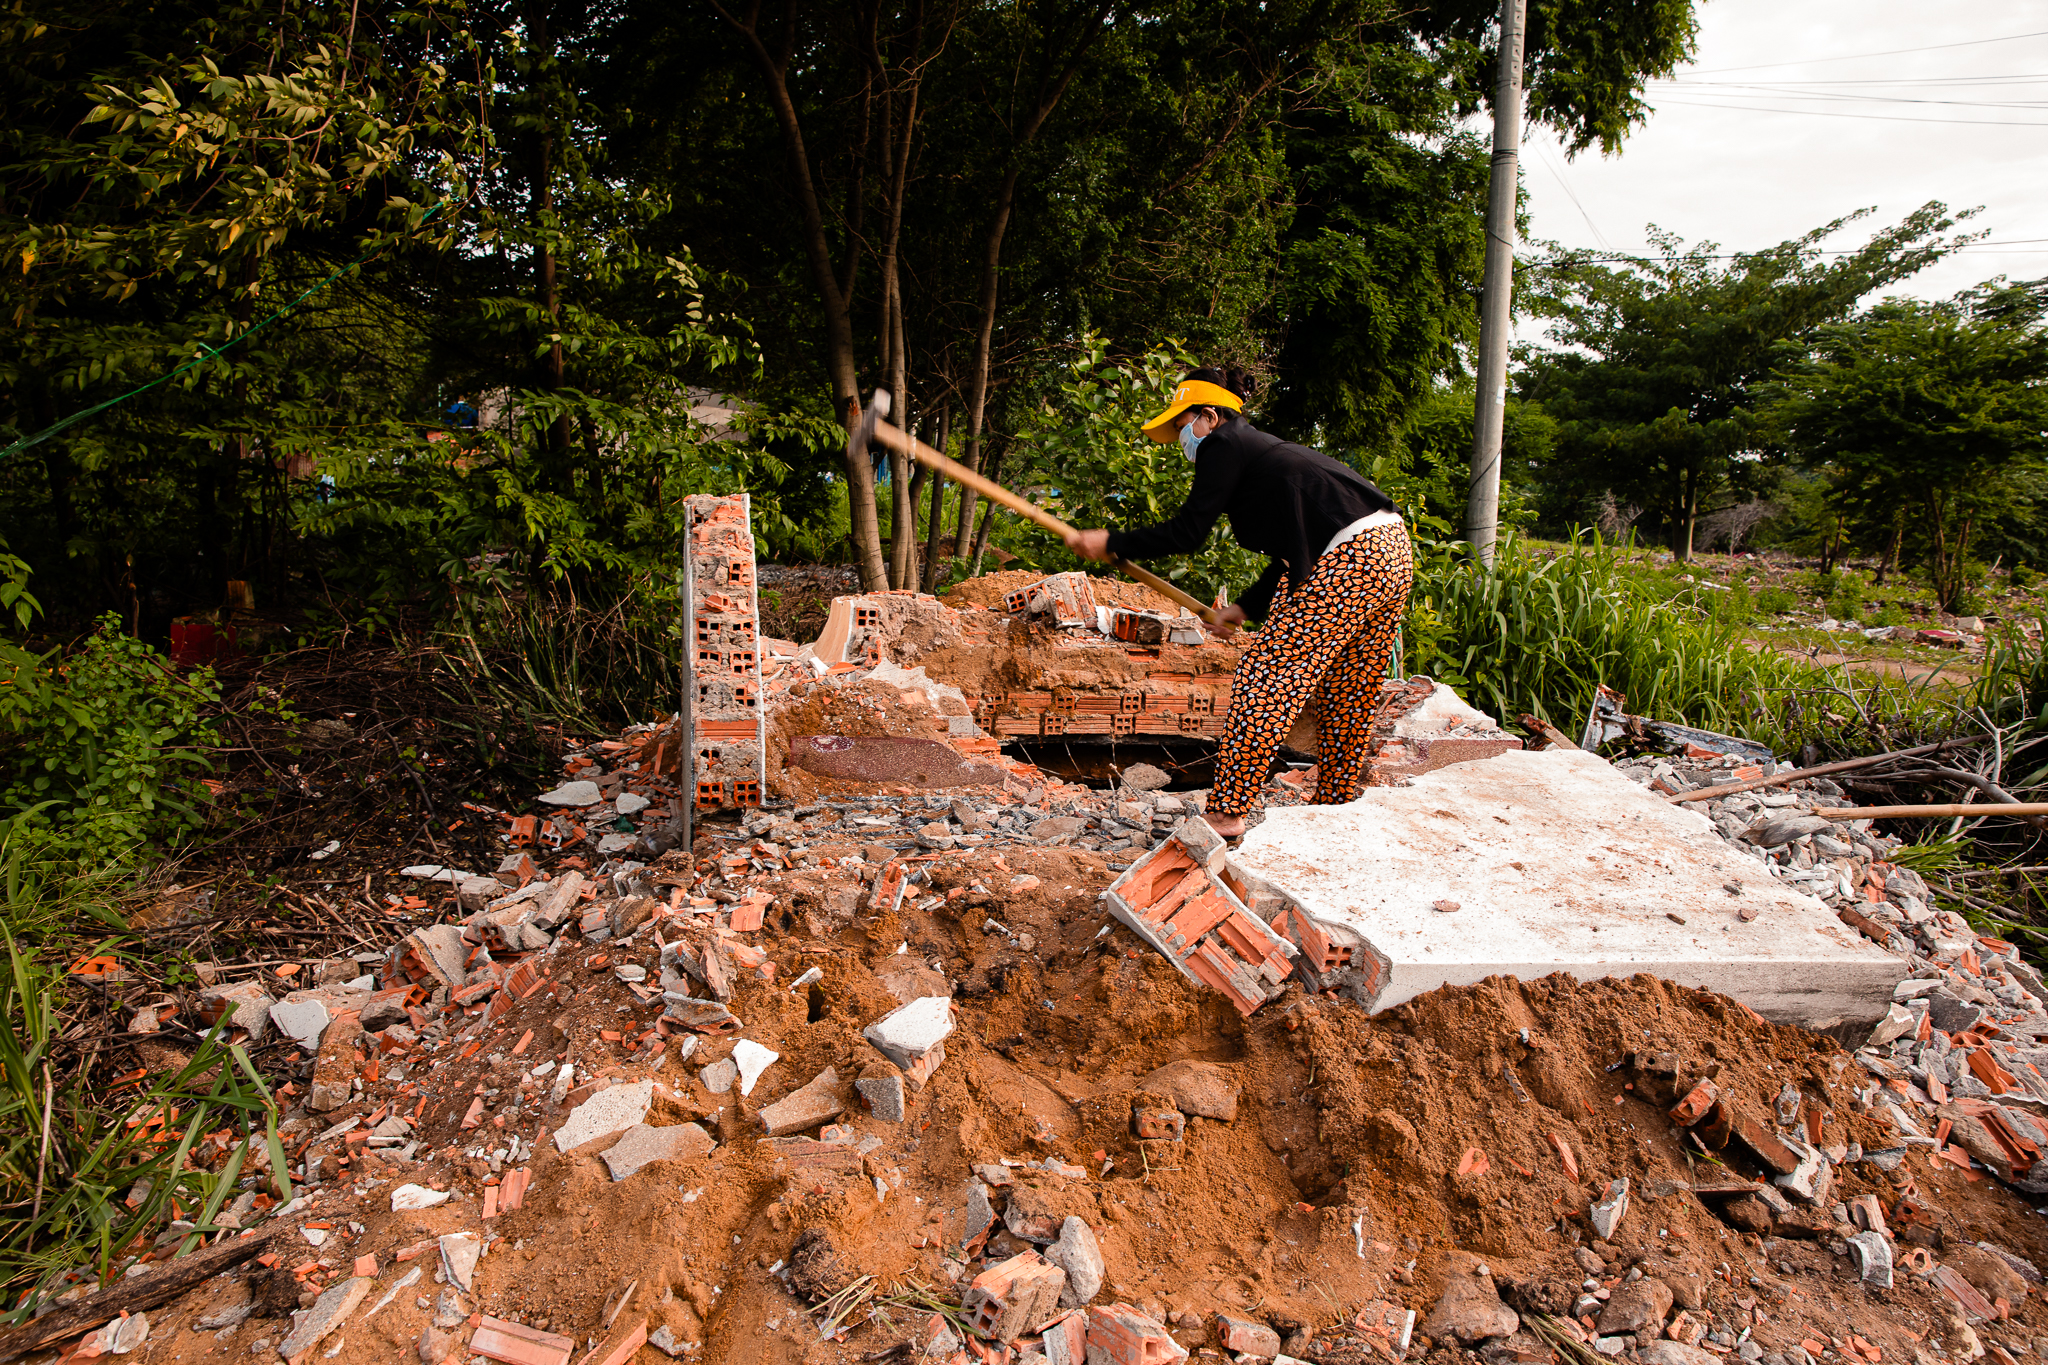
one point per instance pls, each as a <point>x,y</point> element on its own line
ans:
<point>1882,118</point>
<point>2017,78</point>
<point>1859,56</point>
<point>1987,249</point>
<point>1551,165</point>
<point>1788,92</point>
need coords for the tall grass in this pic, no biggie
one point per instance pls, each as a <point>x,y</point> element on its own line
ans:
<point>2013,692</point>
<point>97,1157</point>
<point>552,659</point>
<point>1539,635</point>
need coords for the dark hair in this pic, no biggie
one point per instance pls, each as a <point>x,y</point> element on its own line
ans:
<point>1224,377</point>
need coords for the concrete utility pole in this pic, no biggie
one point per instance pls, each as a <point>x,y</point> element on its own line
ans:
<point>1482,507</point>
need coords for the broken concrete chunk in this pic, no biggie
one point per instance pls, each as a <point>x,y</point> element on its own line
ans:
<point>244,1005</point>
<point>1077,1253</point>
<point>1199,1089</point>
<point>1674,1353</point>
<point>629,914</point>
<point>410,1197</point>
<point>910,1035</point>
<point>882,1092</point>
<point>580,793</point>
<point>1896,1024</point>
<point>719,1076</point>
<point>460,1251</point>
<point>807,1107</point>
<point>1470,1310</point>
<point>1607,1214</point>
<point>1638,1306</point>
<point>1873,1254</point>
<point>558,902</point>
<point>1792,964</point>
<point>302,1021</point>
<point>328,1312</point>
<point>604,1114</point>
<point>643,1145</point>
<point>439,952</point>
<point>751,1059</point>
<point>979,1215</point>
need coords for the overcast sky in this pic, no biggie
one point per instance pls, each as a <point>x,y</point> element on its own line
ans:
<point>1788,118</point>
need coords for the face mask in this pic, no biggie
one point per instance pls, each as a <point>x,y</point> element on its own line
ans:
<point>1188,441</point>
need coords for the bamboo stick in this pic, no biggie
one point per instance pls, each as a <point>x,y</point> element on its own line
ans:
<point>2025,808</point>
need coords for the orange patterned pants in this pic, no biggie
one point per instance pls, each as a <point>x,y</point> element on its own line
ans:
<point>1330,640</point>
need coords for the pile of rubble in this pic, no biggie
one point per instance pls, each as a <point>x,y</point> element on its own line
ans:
<point>1519,1054</point>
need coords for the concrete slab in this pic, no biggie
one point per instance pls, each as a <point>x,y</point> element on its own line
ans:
<point>1532,863</point>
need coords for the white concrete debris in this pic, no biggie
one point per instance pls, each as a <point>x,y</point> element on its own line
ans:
<point>905,1036</point>
<point>302,1021</point>
<point>408,1197</point>
<point>1560,864</point>
<point>751,1059</point>
<point>605,1114</point>
<point>579,793</point>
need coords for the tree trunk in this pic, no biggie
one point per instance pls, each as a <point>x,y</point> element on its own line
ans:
<point>988,514</point>
<point>1891,549</point>
<point>1688,513</point>
<point>991,263</point>
<point>553,368</point>
<point>933,518</point>
<point>839,365</point>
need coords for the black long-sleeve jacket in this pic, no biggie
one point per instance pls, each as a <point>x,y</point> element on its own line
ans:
<point>1284,500</point>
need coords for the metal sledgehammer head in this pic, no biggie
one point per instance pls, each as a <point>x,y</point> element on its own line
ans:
<point>864,430</point>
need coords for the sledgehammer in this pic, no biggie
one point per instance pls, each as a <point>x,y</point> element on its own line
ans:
<point>874,425</point>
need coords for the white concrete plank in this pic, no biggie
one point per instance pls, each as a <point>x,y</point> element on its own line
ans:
<point>1557,862</point>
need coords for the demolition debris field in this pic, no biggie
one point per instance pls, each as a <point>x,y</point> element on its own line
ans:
<point>873,1072</point>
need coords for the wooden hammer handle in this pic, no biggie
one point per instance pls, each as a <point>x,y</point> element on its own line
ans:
<point>905,444</point>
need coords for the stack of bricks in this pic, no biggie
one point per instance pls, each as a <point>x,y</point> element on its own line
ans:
<point>1329,957</point>
<point>727,720</point>
<point>1068,598</point>
<point>1198,705</point>
<point>1176,898</point>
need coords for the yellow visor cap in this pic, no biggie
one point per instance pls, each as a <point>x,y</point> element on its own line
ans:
<point>1194,393</point>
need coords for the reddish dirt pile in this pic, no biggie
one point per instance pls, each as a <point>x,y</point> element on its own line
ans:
<point>1335,1187</point>
<point>989,590</point>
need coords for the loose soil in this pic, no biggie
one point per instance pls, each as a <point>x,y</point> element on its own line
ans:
<point>1335,1186</point>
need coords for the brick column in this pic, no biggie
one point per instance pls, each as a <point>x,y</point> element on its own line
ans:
<point>728,734</point>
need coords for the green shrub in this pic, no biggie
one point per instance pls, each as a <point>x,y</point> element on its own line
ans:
<point>1775,601</point>
<point>100,749</point>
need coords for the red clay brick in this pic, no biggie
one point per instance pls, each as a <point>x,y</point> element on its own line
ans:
<point>1695,1105</point>
<point>1127,1337</point>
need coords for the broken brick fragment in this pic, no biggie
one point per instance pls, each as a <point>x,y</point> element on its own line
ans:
<point>516,1344</point>
<point>1125,1336</point>
<point>1156,1121</point>
<point>1008,1300</point>
<point>1695,1105</point>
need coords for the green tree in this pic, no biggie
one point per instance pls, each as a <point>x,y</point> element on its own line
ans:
<point>1937,407</point>
<point>1654,382</point>
<point>947,201</point>
<point>168,175</point>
